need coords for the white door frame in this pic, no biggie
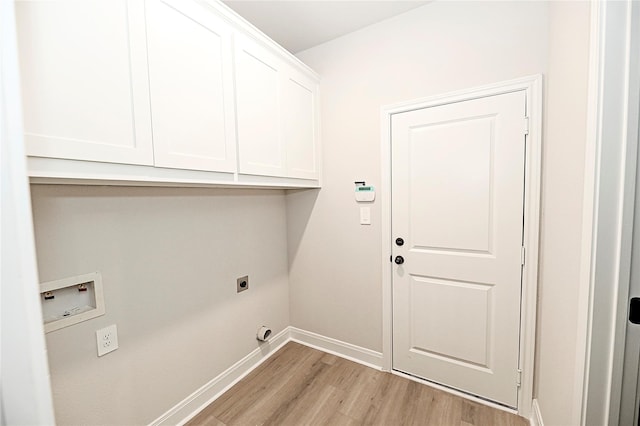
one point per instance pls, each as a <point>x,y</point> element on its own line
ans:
<point>608,209</point>
<point>532,85</point>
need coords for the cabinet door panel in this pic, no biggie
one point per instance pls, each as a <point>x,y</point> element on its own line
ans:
<point>299,127</point>
<point>258,91</point>
<point>191,87</point>
<point>84,80</point>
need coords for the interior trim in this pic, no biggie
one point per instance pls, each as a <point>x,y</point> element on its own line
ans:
<point>536,415</point>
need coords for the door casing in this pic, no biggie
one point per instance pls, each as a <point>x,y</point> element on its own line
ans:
<point>532,85</point>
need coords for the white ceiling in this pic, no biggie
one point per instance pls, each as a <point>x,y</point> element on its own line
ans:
<point>300,24</point>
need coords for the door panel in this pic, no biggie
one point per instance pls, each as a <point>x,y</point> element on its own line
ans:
<point>457,155</point>
<point>258,80</point>
<point>464,307</point>
<point>190,73</point>
<point>299,120</point>
<point>457,201</point>
<point>84,80</point>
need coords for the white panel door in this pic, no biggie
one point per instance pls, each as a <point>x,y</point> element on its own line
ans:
<point>84,80</point>
<point>258,101</point>
<point>190,74</point>
<point>299,126</point>
<point>457,185</point>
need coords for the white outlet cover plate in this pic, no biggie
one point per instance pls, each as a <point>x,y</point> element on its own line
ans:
<point>107,339</point>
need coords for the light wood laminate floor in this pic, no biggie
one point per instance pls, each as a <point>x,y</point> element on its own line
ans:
<point>299,385</point>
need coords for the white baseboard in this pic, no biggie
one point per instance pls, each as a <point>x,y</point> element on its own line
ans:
<point>536,415</point>
<point>194,403</point>
<point>198,400</point>
<point>342,349</point>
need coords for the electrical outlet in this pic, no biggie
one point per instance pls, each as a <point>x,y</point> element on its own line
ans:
<point>242,283</point>
<point>107,339</point>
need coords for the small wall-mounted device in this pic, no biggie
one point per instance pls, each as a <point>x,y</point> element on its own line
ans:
<point>242,283</point>
<point>264,333</point>
<point>364,193</point>
<point>107,339</point>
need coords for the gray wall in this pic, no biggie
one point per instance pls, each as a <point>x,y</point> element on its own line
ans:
<point>169,260</point>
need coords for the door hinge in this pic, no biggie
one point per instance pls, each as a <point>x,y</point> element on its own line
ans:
<point>519,378</point>
<point>523,255</point>
<point>526,125</point>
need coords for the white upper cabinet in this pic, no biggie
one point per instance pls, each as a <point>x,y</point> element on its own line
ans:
<point>300,125</point>
<point>258,96</point>
<point>277,114</point>
<point>191,80</point>
<point>84,80</point>
<point>176,92</point>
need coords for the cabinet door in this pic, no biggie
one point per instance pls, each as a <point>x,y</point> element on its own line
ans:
<point>258,97</point>
<point>84,80</point>
<point>299,124</point>
<point>190,74</point>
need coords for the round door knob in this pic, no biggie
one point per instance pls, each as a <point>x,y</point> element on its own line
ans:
<point>399,260</point>
<point>399,241</point>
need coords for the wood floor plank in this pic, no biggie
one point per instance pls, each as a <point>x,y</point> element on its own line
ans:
<point>329,359</point>
<point>314,407</point>
<point>302,394</point>
<point>207,420</point>
<point>423,398</point>
<point>361,397</point>
<point>446,410</point>
<point>250,388</point>
<point>299,385</point>
<point>258,400</point>
<point>479,414</point>
<point>338,418</point>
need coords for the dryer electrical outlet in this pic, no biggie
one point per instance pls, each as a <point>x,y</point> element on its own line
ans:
<point>242,283</point>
